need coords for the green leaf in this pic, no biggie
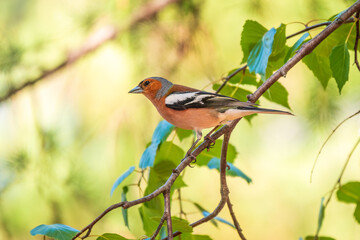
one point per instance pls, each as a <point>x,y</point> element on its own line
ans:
<point>169,151</point>
<point>161,133</point>
<point>125,211</point>
<point>149,225</point>
<point>251,34</point>
<point>277,93</point>
<point>333,17</point>
<point>164,169</point>
<point>111,236</point>
<point>319,238</point>
<point>178,224</point>
<point>121,179</point>
<point>189,236</point>
<point>233,171</point>
<point>278,46</point>
<point>357,212</point>
<point>205,213</point>
<point>349,192</point>
<point>295,47</point>
<point>320,66</point>
<point>205,156</point>
<point>259,55</point>
<point>159,174</point>
<point>340,64</point>
<point>56,231</point>
<point>183,133</point>
<point>243,77</point>
<point>338,37</point>
<point>321,215</point>
<point>233,91</point>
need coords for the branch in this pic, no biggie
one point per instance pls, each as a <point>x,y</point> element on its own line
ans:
<point>236,223</point>
<point>159,227</point>
<point>357,40</point>
<point>94,42</point>
<point>327,139</point>
<point>90,226</point>
<point>243,68</point>
<point>308,28</point>
<point>167,212</point>
<point>337,183</point>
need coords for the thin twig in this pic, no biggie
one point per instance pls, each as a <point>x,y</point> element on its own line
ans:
<point>159,227</point>
<point>357,40</point>
<point>181,205</point>
<point>327,139</point>
<point>338,182</point>
<point>89,227</point>
<point>243,68</point>
<point>235,221</point>
<point>167,212</point>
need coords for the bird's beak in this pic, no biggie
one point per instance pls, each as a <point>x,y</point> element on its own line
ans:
<point>136,89</point>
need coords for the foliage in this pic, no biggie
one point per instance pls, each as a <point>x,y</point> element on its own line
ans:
<point>350,193</point>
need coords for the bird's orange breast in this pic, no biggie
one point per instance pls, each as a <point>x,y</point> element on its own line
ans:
<point>193,118</point>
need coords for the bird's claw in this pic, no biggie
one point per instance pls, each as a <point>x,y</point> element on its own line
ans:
<point>227,166</point>
<point>212,142</point>
<point>193,158</point>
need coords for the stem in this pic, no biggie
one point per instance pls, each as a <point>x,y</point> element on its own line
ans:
<point>357,40</point>
<point>167,212</point>
<point>159,227</point>
<point>327,139</point>
<point>235,221</point>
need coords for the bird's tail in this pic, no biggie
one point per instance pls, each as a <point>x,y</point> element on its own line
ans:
<point>234,113</point>
<point>268,111</point>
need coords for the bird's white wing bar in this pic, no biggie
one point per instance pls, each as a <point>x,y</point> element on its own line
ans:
<point>200,99</point>
<point>177,97</point>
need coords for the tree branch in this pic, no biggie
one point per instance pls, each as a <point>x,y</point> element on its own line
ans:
<point>94,42</point>
<point>159,227</point>
<point>235,221</point>
<point>357,40</point>
<point>89,227</point>
<point>243,68</point>
<point>167,212</point>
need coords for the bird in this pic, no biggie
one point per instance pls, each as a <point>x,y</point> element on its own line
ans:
<point>193,109</point>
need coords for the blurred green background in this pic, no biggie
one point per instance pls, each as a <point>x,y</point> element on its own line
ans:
<point>65,141</point>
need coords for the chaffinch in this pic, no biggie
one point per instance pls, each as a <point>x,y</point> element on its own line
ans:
<point>190,108</point>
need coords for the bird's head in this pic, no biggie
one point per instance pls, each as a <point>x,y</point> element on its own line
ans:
<point>153,87</point>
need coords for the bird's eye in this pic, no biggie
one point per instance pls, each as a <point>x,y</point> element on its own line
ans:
<point>146,83</point>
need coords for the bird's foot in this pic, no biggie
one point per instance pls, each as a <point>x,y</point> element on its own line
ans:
<point>190,155</point>
<point>212,142</point>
